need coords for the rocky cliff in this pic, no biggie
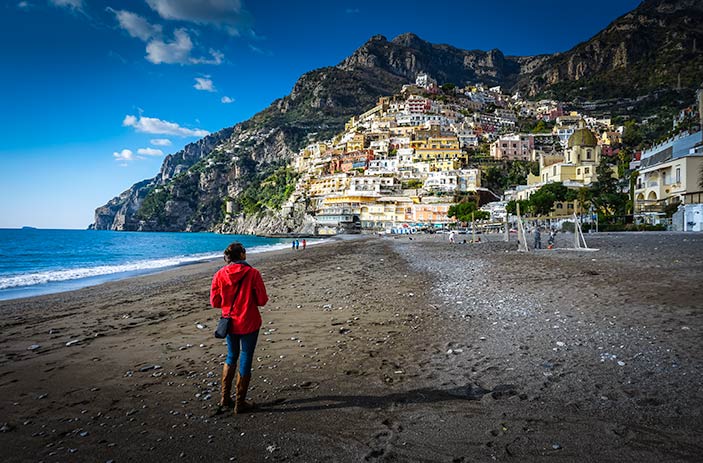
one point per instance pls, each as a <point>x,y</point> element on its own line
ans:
<point>656,47</point>
<point>216,183</point>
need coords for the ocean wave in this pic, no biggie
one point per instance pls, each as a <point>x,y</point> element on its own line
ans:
<point>53,276</point>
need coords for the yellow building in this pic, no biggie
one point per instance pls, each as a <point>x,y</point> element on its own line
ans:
<point>329,184</point>
<point>439,149</point>
<point>610,138</point>
<point>668,172</point>
<point>356,143</point>
<point>350,199</point>
<point>579,163</point>
<point>386,212</point>
<point>444,165</point>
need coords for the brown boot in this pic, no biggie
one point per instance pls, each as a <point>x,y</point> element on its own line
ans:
<point>241,405</point>
<point>227,376</point>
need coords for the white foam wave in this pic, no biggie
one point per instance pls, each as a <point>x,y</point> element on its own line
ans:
<point>52,276</point>
<point>38,278</point>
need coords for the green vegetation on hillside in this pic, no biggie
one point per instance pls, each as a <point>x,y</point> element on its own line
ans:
<point>268,190</point>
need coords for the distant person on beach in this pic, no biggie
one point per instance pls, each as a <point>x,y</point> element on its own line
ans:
<point>451,236</point>
<point>538,238</point>
<point>305,243</point>
<point>292,245</point>
<point>297,245</point>
<point>238,290</point>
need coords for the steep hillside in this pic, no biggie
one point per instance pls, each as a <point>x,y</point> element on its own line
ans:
<point>655,48</point>
<point>190,192</point>
<point>644,60</point>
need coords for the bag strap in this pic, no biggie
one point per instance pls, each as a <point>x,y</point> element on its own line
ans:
<point>236,294</point>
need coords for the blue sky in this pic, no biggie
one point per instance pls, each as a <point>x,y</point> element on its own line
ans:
<point>95,93</point>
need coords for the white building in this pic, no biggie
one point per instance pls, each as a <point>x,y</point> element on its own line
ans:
<point>382,166</point>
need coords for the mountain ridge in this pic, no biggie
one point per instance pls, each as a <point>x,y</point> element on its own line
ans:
<point>194,184</point>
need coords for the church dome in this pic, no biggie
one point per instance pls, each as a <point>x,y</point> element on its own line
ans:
<point>582,137</point>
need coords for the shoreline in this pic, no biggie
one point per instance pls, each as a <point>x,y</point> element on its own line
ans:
<point>75,284</point>
<point>375,349</point>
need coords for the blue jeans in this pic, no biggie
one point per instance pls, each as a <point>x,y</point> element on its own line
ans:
<point>248,344</point>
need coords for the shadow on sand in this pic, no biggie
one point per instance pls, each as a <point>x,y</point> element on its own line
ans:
<point>415,396</point>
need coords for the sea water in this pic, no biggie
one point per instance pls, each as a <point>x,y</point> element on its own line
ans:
<point>34,261</point>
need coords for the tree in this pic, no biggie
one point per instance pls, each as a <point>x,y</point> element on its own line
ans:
<point>605,194</point>
<point>518,170</point>
<point>448,87</point>
<point>558,189</point>
<point>541,127</point>
<point>583,196</point>
<point>511,207</point>
<point>631,135</point>
<point>493,179</point>
<point>541,202</point>
<point>464,210</point>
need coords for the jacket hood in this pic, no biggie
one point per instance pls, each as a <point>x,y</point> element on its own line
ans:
<point>236,271</point>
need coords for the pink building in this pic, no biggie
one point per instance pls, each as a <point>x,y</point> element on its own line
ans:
<point>513,147</point>
<point>418,104</point>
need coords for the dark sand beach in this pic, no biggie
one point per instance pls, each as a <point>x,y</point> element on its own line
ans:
<point>375,349</point>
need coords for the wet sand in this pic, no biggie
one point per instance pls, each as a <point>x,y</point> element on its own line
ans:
<point>377,349</point>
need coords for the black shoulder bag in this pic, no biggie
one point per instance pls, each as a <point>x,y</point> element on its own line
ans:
<point>223,325</point>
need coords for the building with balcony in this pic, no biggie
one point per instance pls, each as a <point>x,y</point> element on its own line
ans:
<point>431,214</point>
<point>513,147</point>
<point>453,180</point>
<point>329,184</point>
<point>387,212</point>
<point>668,172</point>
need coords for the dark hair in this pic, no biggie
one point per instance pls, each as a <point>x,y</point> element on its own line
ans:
<point>234,251</point>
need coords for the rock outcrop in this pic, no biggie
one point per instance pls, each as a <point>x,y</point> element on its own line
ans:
<point>655,47</point>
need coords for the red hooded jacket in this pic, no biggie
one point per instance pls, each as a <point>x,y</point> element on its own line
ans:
<point>245,313</point>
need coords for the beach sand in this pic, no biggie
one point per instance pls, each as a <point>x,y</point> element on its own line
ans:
<point>375,349</point>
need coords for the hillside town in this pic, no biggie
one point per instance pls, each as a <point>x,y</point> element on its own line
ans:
<point>401,165</point>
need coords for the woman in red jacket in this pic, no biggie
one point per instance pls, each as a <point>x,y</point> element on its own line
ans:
<point>238,290</point>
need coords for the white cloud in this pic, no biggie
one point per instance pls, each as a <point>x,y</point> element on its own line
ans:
<point>352,10</point>
<point>226,13</point>
<point>124,155</point>
<point>158,126</point>
<point>217,58</point>
<point>24,5</point>
<point>77,4</point>
<point>227,100</point>
<point>204,84</point>
<point>150,152</point>
<point>178,51</point>
<point>136,26</point>
<point>160,142</point>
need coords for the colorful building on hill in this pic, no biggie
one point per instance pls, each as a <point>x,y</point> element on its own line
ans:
<point>513,147</point>
<point>667,173</point>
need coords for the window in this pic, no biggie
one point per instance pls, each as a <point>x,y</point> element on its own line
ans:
<point>678,175</point>
<point>569,206</point>
<point>588,154</point>
<point>587,170</point>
